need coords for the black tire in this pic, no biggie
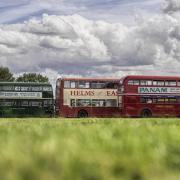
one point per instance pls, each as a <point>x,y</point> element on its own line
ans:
<point>82,114</point>
<point>146,113</point>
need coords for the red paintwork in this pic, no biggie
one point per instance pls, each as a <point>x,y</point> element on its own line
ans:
<point>66,111</point>
<point>131,106</point>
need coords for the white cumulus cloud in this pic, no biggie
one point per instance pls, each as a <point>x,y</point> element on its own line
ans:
<point>64,45</point>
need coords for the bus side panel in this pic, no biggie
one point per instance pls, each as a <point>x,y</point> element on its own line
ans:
<point>67,111</point>
<point>133,107</point>
<point>105,112</point>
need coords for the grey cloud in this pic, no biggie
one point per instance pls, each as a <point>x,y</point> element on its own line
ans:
<point>171,6</point>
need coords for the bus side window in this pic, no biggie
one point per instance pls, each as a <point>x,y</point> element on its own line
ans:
<point>98,85</point>
<point>145,82</point>
<point>7,88</point>
<point>83,102</point>
<point>149,82</point>
<point>149,101</point>
<point>47,88</point>
<point>98,103</point>
<point>158,83</point>
<point>170,83</point>
<point>160,100</point>
<point>25,103</point>
<point>84,85</point>
<point>25,88</point>
<point>73,84</point>
<point>111,85</point>
<point>136,82</point>
<point>146,100</point>
<point>172,100</point>
<point>73,102</point>
<point>133,82</point>
<point>17,88</point>
<point>111,103</point>
<point>143,100</point>
<point>66,84</point>
<point>130,82</point>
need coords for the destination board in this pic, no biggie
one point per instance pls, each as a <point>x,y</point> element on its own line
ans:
<point>20,95</point>
<point>158,90</point>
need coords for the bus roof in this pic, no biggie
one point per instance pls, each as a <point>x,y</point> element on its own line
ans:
<point>141,77</point>
<point>23,83</point>
<point>89,79</point>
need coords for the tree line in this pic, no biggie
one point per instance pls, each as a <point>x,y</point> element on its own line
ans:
<point>7,76</point>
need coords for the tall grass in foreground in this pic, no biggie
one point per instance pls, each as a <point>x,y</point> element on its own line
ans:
<point>92,149</point>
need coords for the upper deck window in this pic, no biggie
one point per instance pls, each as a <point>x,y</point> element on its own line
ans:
<point>47,88</point>
<point>73,84</point>
<point>36,88</point>
<point>66,84</point>
<point>142,82</point>
<point>158,83</point>
<point>84,84</point>
<point>97,85</point>
<point>26,88</point>
<point>17,88</point>
<point>170,83</point>
<point>111,85</point>
<point>70,84</point>
<point>136,82</point>
<point>130,82</point>
<point>133,82</point>
<point>7,88</point>
<point>145,82</point>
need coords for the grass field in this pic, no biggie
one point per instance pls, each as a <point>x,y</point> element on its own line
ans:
<point>92,149</point>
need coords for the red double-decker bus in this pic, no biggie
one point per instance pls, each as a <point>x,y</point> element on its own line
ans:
<point>87,97</point>
<point>147,96</point>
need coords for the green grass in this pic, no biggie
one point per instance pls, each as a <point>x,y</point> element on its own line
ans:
<point>92,149</point>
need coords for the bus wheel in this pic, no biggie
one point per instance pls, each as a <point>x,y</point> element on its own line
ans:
<point>82,114</point>
<point>146,113</point>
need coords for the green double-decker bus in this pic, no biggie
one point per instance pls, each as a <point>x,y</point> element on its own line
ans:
<point>18,99</point>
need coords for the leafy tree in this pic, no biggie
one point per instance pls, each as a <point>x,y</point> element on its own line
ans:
<point>32,77</point>
<point>6,75</point>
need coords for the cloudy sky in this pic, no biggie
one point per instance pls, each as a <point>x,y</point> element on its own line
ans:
<point>90,37</point>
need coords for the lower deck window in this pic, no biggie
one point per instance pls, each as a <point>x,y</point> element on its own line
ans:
<point>93,103</point>
<point>159,100</point>
<point>111,103</point>
<point>36,103</point>
<point>98,103</point>
<point>7,103</point>
<point>73,102</point>
<point>47,103</point>
<point>25,103</point>
<point>83,102</point>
